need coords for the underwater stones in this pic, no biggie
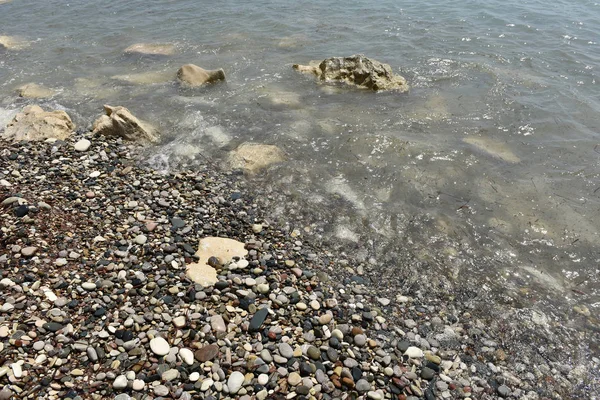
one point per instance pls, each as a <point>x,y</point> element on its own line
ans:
<point>192,75</point>
<point>33,123</point>
<point>12,43</point>
<point>356,70</point>
<point>34,91</point>
<point>252,157</point>
<point>120,122</point>
<point>154,49</point>
<point>493,148</point>
<point>223,248</point>
<point>145,78</point>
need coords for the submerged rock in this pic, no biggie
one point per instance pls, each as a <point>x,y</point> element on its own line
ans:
<point>12,43</point>
<point>493,148</point>
<point>34,91</point>
<point>33,123</point>
<point>356,70</point>
<point>145,78</point>
<point>156,49</point>
<point>252,157</point>
<point>119,121</point>
<point>193,75</point>
<point>222,248</point>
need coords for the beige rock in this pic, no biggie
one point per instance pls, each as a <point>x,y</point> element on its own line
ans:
<point>193,75</point>
<point>493,148</point>
<point>155,49</point>
<point>119,121</point>
<point>13,42</point>
<point>356,70</point>
<point>223,248</point>
<point>252,157</point>
<point>145,78</point>
<point>34,91</point>
<point>33,123</point>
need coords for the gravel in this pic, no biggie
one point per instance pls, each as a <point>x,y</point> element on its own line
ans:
<point>103,309</point>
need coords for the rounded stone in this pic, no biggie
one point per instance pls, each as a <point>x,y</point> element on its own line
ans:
<point>294,379</point>
<point>235,381</point>
<point>120,382</point>
<point>159,346</point>
<point>82,145</point>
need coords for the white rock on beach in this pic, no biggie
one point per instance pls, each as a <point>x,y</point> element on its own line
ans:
<point>223,248</point>
<point>82,145</point>
<point>159,346</point>
<point>33,123</point>
<point>120,122</point>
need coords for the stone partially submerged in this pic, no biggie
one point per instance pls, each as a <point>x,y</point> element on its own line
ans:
<point>356,70</point>
<point>119,121</point>
<point>151,49</point>
<point>193,75</point>
<point>34,91</point>
<point>33,123</point>
<point>221,248</point>
<point>252,157</point>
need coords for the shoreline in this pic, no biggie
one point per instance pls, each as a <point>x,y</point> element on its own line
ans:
<point>353,332</point>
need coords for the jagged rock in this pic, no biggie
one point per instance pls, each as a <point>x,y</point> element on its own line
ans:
<point>252,157</point>
<point>119,121</point>
<point>153,49</point>
<point>222,248</point>
<point>193,75</point>
<point>34,91</point>
<point>356,70</point>
<point>33,123</point>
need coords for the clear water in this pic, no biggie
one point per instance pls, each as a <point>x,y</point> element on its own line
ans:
<point>490,166</point>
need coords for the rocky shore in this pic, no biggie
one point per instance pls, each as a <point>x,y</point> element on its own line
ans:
<point>97,303</point>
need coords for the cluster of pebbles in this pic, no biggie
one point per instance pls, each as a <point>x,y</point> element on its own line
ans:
<point>96,302</point>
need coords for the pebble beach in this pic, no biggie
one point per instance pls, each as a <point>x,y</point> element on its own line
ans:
<point>96,303</point>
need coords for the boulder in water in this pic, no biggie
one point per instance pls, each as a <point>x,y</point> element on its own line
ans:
<point>193,75</point>
<point>33,123</point>
<point>151,49</point>
<point>356,70</point>
<point>34,91</point>
<point>252,157</point>
<point>119,121</point>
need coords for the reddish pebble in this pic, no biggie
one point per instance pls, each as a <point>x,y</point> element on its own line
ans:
<point>151,225</point>
<point>90,195</point>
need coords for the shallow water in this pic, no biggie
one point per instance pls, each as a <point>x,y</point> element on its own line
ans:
<point>490,166</point>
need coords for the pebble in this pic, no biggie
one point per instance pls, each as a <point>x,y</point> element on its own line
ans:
<point>186,355</point>
<point>159,346</point>
<point>120,382</point>
<point>29,251</point>
<point>88,286</point>
<point>235,381</point>
<point>286,350</point>
<point>414,352</point>
<point>82,145</point>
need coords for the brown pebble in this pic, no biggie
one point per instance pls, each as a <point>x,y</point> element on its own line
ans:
<point>207,353</point>
<point>349,382</point>
<point>356,330</point>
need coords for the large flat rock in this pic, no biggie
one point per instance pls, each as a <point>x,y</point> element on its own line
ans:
<point>223,248</point>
